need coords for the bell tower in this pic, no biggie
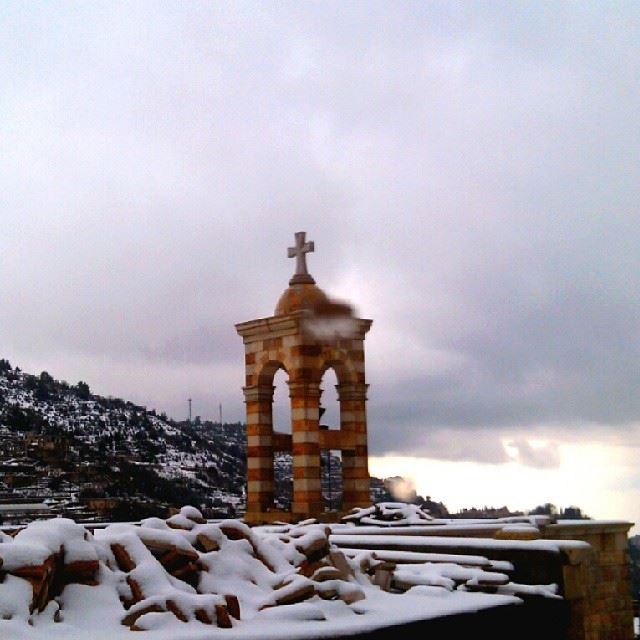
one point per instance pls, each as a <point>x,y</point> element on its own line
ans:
<point>307,334</point>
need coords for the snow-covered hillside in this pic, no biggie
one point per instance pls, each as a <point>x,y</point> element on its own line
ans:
<point>63,435</point>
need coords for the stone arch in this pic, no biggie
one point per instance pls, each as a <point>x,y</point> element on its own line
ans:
<point>268,371</point>
<point>351,438</point>
<point>344,369</point>
<point>263,489</point>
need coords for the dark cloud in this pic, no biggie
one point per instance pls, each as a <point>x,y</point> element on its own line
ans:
<point>441,444</point>
<point>469,174</point>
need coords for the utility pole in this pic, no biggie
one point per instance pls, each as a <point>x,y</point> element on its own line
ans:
<point>329,474</point>
<point>189,410</point>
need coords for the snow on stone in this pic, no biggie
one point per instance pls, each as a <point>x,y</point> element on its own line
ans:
<point>389,514</point>
<point>515,589</point>
<point>184,579</point>
<point>401,557</point>
<point>192,514</point>
<point>410,520</point>
<point>520,528</point>
<point>18,555</point>
<point>15,596</point>
<point>373,541</point>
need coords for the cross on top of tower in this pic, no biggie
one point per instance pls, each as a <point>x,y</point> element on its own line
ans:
<point>299,252</point>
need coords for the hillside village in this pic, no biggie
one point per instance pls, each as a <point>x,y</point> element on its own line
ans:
<point>69,451</point>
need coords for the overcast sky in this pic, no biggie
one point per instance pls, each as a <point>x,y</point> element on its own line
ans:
<point>469,172</point>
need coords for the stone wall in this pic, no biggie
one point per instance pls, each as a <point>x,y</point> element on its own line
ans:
<point>594,580</point>
<point>599,586</point>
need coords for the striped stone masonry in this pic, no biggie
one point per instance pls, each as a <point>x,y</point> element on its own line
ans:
<point>305,436</point>
<point>283,341</point>
<point>355,462</point>
<point>258,401</point>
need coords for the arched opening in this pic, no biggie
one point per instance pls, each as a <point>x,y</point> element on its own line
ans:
<point>330,458</point>
<point>281,407</point>
<point>282,460</point>
<point>329,400</point>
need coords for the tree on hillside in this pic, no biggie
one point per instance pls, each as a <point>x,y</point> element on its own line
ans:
<point>45,387</point>
<point>23,420</point>
<point>83,391</point>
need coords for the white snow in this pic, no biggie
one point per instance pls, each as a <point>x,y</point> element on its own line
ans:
<point>387,541</point>
<point>416,556</point>
<point>15,595</point>
<point>262,568</point>
<point>389,514</point>
<point>22,555</point>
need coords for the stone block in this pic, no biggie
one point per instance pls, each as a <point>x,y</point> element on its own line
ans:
<point>257,441</point>
<point>305,472</point>
<point>612,558</point>
<point>309,424</point>
<point>573,582</point>
<point>308,483</point>
<point>261,451</point>
<point>298,437</point>
<point>307,449</point>
<point>305,460</point>
<point>259,486</point>
<point>291,341</point>
<point>260,463</point>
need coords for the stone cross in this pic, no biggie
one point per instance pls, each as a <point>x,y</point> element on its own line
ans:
<point>299,252</point>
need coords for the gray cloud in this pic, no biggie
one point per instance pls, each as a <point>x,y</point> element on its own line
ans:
<point>546,456</point>
<point>444,444</point>
<point>470,175</point>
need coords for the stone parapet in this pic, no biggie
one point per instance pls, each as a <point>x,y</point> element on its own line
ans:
<point>600,588</point>
<point>588,560</point>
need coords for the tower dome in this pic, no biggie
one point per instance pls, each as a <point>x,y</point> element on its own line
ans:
<point>303,296</point>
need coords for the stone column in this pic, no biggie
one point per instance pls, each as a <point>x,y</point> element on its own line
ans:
<point>260,485</point>
<point>355,462</point>
<point>305,437</point>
